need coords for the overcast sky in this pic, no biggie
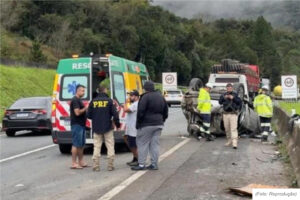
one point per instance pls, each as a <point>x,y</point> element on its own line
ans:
<point>216,8</point>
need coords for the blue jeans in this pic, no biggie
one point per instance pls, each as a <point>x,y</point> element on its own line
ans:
<point>78,135</point>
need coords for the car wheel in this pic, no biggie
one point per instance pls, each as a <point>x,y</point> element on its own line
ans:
<point>239,88</point>
<point>10,133</point>
<point>195,84</point>
<point>65,148</point>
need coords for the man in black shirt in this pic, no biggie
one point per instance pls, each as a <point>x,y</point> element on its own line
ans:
<point>231,106</point>
<point>101,111</point>
<point>151,115</point>
<point>78,119</point>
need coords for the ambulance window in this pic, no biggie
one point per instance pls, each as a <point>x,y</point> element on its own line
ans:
<point>69,83</point>
<point>119,88</point>
<point>144,79</point>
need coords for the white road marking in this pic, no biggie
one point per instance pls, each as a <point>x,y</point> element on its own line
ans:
<point>175,111</point>
<point>27,153</point>
<point>116,190</point>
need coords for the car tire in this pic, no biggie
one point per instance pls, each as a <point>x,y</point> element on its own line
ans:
<point>239,89</point>
<point>65,148</point>
<point>10,133</point>
<point>195,84</point>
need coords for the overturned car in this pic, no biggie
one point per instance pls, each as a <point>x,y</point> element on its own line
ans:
<point>248,120</point>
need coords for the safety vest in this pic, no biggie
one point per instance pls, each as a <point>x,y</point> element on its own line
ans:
<point>204,105</point>
<point>263,106</point>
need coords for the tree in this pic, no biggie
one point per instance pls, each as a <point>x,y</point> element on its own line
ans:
<point>36,54</point>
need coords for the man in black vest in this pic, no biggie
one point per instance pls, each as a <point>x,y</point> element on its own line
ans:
<point>231,106</point>
<point>101,111</point>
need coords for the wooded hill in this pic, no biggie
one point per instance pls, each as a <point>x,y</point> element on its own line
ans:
<point>139,31</point>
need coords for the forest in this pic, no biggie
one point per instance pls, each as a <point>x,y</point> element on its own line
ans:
<point>141,31</point>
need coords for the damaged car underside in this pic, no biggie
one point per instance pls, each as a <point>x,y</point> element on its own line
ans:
<point>248,120</point>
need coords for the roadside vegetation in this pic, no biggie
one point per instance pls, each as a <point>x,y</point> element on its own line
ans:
<point>46,31</point>
<point>288,106</point>
<point>18,81</point>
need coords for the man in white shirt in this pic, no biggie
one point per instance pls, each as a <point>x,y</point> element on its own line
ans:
<point>130,108</point>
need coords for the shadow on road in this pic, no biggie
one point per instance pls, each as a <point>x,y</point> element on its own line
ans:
<point>31,134</point>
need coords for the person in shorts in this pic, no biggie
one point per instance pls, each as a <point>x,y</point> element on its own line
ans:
<point>78,120</point>
<point>130,108</point>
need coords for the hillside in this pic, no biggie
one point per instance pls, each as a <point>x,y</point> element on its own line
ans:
<point>18,81</point>
<point>138,30</point>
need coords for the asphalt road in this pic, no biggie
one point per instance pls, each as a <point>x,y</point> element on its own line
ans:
<point>31,167</point>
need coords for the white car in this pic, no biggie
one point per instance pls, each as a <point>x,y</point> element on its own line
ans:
<point>173,97</point>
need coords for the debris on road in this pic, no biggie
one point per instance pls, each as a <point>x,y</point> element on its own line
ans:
<point>247,190</point>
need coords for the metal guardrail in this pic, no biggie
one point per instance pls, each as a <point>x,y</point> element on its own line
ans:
<point>9,62</point>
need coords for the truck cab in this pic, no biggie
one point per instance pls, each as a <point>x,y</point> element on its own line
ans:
<point>244,77</point>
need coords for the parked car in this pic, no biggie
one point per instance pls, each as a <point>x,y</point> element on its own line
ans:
<point>33,113</point>
<point>173,97</point>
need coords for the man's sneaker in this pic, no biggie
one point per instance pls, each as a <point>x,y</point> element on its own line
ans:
<point>264,138</point>
<point>133,160</point>
<point>110,168</point>
<point>210,137</point>
<point>134,163</point>
<point>96,168</point>
<point>137,168</point>
<point>152,167</point>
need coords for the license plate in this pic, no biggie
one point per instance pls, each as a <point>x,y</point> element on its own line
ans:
<point>67,122</point>
<point>22,115</point>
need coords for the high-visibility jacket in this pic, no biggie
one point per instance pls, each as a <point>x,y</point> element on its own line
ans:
<point>263,106</point>
<point>204,105</point>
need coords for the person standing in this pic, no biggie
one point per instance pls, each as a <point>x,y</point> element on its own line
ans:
<point>101,111</point>
<point>231,106</point>
<point>151,115</point>
<point>130,108</point>
<point>263,106</point>
<point>78,120</point>
<point>204,107</point>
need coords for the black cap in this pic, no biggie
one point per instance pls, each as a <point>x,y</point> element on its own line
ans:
<point>149,86</point>
<point>229,85</point>
<point>134,93</point>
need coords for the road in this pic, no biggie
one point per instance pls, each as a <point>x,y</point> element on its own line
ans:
<point>33,168</point>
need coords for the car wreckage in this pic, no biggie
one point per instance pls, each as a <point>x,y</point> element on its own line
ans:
<point>248,120</point>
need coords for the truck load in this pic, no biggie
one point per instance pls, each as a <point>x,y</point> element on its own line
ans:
<point>245,77</point>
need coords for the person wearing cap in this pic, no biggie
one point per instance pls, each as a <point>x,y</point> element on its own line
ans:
<point>204,107</point>
<point>101,111</point>
<point>264,107</point>
<point>130,107</point>
<point>231,106</point>
<point>151,115</point>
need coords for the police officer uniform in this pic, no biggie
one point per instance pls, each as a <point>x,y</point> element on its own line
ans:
<point>101,110</point>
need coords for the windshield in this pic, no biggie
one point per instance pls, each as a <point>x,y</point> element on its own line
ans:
<point>227,80</point>
<point>30,102</point>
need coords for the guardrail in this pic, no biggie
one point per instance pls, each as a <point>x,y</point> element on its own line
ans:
<point>9,62</point>
<point>289,130</point>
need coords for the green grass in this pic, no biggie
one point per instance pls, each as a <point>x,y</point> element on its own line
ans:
<point>288,106</point>
<point>17,82</point>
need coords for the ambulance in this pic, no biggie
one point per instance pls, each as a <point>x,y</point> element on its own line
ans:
<point>122,76</point>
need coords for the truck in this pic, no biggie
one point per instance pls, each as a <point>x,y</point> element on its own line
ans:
<point>246,83</point>
<point>244,77</point>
